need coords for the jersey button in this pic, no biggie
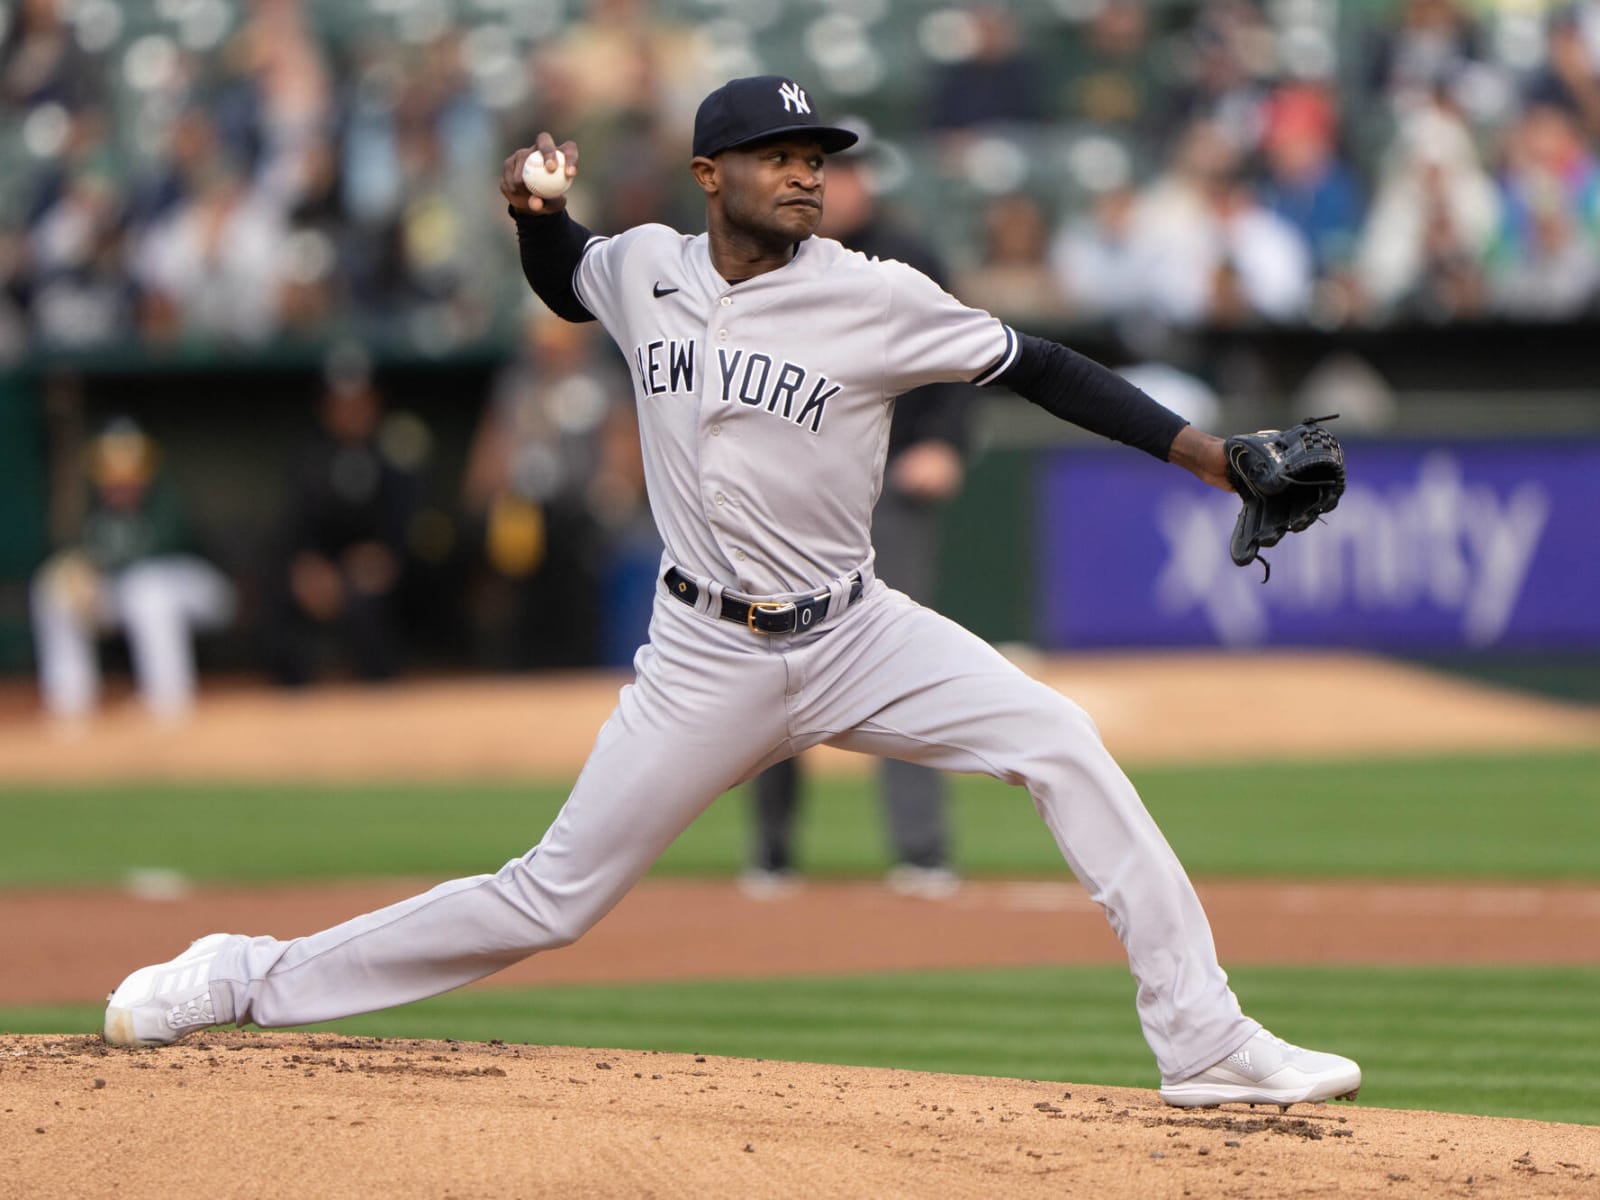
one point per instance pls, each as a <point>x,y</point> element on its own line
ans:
<point>716,431</point>
<point>722,335</point>
<point>727,301</point>
<point>721,499</point>
<point>740,555</point>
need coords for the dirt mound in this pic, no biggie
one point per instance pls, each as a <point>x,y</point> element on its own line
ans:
<point>242,1114</point>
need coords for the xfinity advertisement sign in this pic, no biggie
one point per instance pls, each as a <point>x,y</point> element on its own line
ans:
<point>1438,546</point>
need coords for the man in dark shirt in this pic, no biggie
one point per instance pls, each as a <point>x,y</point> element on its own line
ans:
<point>927,440</point>
<point>341,554</point>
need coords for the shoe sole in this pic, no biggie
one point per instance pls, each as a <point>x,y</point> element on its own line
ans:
<point>118,1031</point>
<point>1214,1095</point>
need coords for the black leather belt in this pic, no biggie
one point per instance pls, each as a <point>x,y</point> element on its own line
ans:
<point>763,616</point>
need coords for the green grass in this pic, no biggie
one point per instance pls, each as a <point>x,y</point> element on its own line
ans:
<point>1498,1041</point>
<point>1533,816</point>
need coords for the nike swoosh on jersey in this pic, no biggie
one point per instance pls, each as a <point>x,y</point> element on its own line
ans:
<point>658,291</point>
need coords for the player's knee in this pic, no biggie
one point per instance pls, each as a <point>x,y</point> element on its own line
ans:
<point>547,924</point>
<point>1065,723</point>
<point>1081,723</point>
<point>564,928</point>
<point>144,595</point>
<point>1066,740</point>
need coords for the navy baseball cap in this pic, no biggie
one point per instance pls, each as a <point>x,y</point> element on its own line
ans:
<point>747,110</point>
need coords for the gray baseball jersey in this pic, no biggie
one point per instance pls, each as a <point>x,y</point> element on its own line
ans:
<point>764,407</point>
<point>764,410</point>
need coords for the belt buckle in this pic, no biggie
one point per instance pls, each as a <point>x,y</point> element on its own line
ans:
<point>765,606</point>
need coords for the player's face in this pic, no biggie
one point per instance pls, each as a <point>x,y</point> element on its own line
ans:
<point>773,190</point>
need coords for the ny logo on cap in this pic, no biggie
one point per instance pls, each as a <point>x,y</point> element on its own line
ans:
<point>794,98</point>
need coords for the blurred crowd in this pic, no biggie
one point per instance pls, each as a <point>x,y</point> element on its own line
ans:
<point>244,180</point>
<point>225,177</point>
<point>237,172</point>
<point>1433,162</point>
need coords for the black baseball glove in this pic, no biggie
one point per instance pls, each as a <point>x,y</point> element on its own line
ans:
<point>1287,478</point>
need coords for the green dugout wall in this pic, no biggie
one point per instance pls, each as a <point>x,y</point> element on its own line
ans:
<point>23,492</point>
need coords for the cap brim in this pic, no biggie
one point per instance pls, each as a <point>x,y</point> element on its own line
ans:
<point>832,138</point>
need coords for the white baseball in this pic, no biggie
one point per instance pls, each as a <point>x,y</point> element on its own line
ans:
<point>548,184</point>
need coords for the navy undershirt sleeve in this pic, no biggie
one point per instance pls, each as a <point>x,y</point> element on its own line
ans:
<point>1078,389</point>
<point>551,247</point>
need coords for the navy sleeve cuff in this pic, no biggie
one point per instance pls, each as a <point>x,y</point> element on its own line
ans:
<point>1093,397</point>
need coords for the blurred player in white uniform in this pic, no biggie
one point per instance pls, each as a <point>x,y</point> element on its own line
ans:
<point>133,569</point>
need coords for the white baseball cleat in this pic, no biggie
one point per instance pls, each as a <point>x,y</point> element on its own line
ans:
<point>922,883</point>
<point>1268,1070</point>
<point>155,1006</point>
<point>769,883</point>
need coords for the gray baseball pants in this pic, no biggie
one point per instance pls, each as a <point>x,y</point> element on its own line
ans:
<point>914,797</point>
<point>712,704</point>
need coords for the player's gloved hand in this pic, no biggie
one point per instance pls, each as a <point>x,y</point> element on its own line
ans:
<point>516,191</point>
<point>1287,480</point>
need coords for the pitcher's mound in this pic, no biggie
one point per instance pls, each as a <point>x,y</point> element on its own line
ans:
<point>252,1114</point>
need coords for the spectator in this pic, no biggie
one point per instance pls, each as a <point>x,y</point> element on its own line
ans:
<point>540,491</point>
<point>999,82</point>
<point>1570,77</point>
<point>1546,261</point>
<point>1114,77</point>
<point>624,80</point>
<point>340,560</point>
<point>213,267</point>
<point>188,144</point>
<point>1432,220</point>
<point>315,258</point>
<point>276,49</point>
<point>1013,279</point>
<point>1095,258</point>
<point>421,250</point>
<point>269,94</point>
<point>41,61</point>
<point>1307,182</point>
<point>1206,250</point>
<point>81,294</point>
<point>928,437</point>
<point>133,569</point>
<point>1433,49</point>
<point>1231,61</point>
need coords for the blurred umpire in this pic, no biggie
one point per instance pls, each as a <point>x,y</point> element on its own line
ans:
<point>927,440</point>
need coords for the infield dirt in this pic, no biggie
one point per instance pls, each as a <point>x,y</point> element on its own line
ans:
<point>249,1115</point>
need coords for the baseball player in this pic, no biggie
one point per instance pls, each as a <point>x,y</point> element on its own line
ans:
<point>134,569</point>
<point>766,361</point>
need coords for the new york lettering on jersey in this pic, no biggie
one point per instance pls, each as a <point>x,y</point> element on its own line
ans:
<point>775,391</point>
<point>780,388</point>
<point>666,366</point>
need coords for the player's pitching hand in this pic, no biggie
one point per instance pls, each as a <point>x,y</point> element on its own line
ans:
<point>516,191</point>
